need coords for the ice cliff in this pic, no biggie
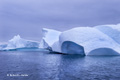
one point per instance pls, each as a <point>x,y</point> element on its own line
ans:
<point>50,36</point>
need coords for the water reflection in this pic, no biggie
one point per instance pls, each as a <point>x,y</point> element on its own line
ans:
<point>47,66</point>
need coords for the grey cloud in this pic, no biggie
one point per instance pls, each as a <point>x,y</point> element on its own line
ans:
<point>28,17</point>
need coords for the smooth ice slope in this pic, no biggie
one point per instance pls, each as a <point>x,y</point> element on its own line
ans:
<point>91,39</point>
<point>49,37</point>
<point>112,31</point>
<point>18,42</point>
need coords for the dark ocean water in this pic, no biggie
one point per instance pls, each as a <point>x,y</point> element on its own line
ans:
<point>49,66</point>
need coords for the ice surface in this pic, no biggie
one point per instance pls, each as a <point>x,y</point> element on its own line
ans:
<point>18,42</point>
<point>56,47</point>
<point>90,39</point>
<point>112,31</point>
<point>50,36</point>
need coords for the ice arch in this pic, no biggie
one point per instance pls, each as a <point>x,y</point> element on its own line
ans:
<point>80,39</point>
<point>72,48</point>
<point>103,51</point>
<point>89,38</point>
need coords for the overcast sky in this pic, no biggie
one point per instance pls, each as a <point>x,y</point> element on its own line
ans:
<point>28,17</point>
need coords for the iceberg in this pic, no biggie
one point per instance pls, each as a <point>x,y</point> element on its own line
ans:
<point>50,36</point>
<point>18,42</point>
<point>99,40</point>
<point>112,31</point>
<point>2,46</point>
<point>86,41</point>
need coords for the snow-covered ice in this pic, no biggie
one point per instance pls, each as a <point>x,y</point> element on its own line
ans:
<point>89,39</point>
<point>18,42</point>
<point>50,36</point>
<point>112,31</point>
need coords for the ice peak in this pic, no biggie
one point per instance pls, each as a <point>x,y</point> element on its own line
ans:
<point>17,37</point>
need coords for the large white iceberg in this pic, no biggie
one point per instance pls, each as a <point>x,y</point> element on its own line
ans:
<point>50,36</point>
<point>18,42</point>
<point>99,40</point>
<point>112,31</point>
<point>87,41</point>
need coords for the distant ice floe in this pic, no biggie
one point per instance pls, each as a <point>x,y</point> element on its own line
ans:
<point>3,46</point>
<point>85,41</point>
<point>18,42</point>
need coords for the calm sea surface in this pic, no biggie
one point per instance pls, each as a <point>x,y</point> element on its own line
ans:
<point>49,66</point>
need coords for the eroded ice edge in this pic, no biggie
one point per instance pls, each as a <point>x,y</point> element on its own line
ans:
<point>98,40</point>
